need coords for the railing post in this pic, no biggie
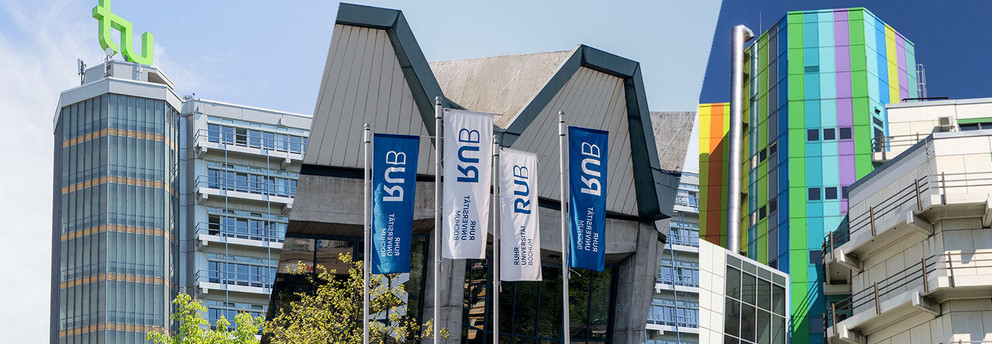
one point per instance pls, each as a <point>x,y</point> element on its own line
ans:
<point>878,308</point>
<point>833,316</point>
<point>950,268</point>
<point>923,265</point>
<point>871,218</point>
<point>919,202</point>
<point>943,187</point>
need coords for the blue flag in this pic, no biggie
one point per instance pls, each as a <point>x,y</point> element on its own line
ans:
<point>394,182</point>
<point>587,157</point>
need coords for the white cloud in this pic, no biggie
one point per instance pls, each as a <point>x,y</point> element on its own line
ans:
<point>37,61</point>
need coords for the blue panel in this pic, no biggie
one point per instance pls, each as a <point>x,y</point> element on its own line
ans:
<point>828,88</point>
<point>812,108</point>
<point>826,30</point>
<point>810,36</point>
<point>812,87</point>
<point>813,173</point>
<point>814,232</point>
<point>811,57</point>
<point>828,111</point>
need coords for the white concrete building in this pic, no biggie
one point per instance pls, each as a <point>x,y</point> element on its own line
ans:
<point>240,169</point>
<point>741,301</point>
<point>674,314</point>
<point>915,255</point>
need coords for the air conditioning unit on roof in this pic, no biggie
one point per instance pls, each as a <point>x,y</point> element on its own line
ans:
<point>946,124</point>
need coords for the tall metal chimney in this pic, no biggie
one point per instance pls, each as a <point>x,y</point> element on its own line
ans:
<point>741,34</point>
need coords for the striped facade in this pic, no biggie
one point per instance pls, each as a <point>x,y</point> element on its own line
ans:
<point>714,150</point>
<point>817,85</point>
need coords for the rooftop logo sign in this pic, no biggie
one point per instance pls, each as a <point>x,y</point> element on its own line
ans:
<point>108,21</point>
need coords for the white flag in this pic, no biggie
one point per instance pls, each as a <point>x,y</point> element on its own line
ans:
<point>520,234</point>
<point>468,161</point>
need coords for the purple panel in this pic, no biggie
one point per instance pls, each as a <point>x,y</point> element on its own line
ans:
<point>843,84</point>
<point>901,61</point>
<point>846,163</point>
<point>843,57</point>
<point>843,206</point>
<point>845,107</point>
<point>841,33</point>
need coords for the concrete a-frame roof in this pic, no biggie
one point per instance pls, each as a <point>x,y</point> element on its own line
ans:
<point>653,187</point>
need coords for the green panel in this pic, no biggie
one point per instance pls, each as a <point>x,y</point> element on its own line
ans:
<point>859,84</point>
<point>856,14</point>
<point>797,150</point>
<point>763,186</point>
<point>762,248</point>
<point>797,84</point>
<point>862,114</point>
<point>797,118</point>
<point>796,62</point>
<point>856,29</point>
<point>795,30</point>
<point>859,57</point>
<point>863,164</point>
<point>797,210</point>
<point>975,120</point>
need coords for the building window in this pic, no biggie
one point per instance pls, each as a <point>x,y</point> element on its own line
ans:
<point>773,205</point>
<point>773,148</point>
<point>762,213</point>
<point>814,194</point>
<point>762,155</point>
<point>830,193</point>
<point>829,134</point>
<point>845,133</point>
<point>843,192</point>
<point>812,135</point>
<point>877,121</point>
<point>754,306</point>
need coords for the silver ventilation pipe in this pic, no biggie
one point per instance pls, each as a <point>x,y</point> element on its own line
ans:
<point>741,34</point>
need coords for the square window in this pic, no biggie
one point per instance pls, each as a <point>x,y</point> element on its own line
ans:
<point>843,192</point>
<point>829,134</point>
<point>815,257</point>
<point>830,193</point>
<point>772,205</point>
<point>877,121</point>
<point>814,194</point>
<point>761,213</point>
<point>813,135</point>
<point>762,155</point>
<point>773,148</point>
<point>845,133</point>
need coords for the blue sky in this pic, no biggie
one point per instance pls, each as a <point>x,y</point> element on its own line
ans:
<point>952,40</point>
<point>271,54</point>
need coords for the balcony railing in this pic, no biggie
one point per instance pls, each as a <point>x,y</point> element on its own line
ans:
<point>891,146</point>
<point>684,240</point>
<point>268,188</point>
<point>240,232</point>
<point>234,278</point>
<point>684,315</point>
<point>909,193</point>
<point>684,278</point>
<point>285,144</point>
<point>919,277</point>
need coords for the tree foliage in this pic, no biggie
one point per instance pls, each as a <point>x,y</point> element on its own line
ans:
<point>194,329</point>
<point>332,312</point>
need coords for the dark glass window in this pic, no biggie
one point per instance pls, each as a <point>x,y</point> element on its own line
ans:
<point>830,192</point>
<point>843,191</point>
<point>829,134</point>
<point>812,135</point>
<point>772,205</point>
<point>762,155</point>
<point>773,148</point>
<point>761,213</point>
<point>815,257</point>
<point>845,133</point>
<point>814,194</point>
<point>877,121</point>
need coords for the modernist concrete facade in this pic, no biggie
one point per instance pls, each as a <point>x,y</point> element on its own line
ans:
<point>674,314</point>
<point>376,74</point>
<point>915,251</point>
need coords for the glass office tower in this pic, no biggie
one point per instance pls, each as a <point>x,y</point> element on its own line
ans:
<point>817,85</point>
<point>115,217</point>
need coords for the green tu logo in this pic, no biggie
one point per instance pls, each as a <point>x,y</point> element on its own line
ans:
<point>109,21</point>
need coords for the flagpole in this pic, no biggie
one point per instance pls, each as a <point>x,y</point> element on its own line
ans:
<point>564,228</point>
<point>367,237</point>
<point>437,218</point>
<point>496,243</point>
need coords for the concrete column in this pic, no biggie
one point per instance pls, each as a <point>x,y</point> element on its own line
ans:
<point>635,279</point>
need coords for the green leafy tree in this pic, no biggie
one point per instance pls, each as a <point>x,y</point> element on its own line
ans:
<point>332,312</point>
<point>194,329</point>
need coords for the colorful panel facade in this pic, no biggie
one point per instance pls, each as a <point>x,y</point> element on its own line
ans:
<point>817,87</point>
<point>714,124</point>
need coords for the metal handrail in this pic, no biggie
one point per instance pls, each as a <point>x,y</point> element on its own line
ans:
<point>866,220</point>
<point>240,232</point>
<point>679,279</point>
<point>251,142</point>
<point>669,315</point>
<point>256,187</point>
<point>882,144</point>
<point>915,273</point>
<point>225,278</point>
